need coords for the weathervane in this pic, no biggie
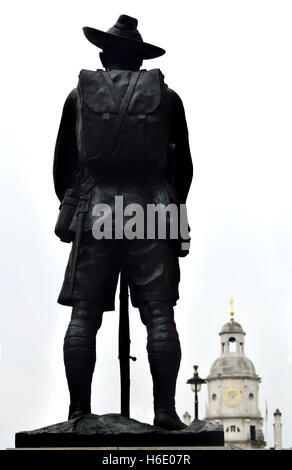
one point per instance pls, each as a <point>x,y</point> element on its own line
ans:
<point>231,309</point>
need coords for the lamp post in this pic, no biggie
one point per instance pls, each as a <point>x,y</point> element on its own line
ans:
<point>196,383</point>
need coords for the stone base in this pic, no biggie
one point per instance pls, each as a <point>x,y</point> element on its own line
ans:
<point>114,430</point>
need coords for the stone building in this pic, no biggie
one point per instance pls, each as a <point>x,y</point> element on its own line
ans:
<point>233,391</point>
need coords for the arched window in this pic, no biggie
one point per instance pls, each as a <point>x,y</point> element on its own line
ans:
<point>238,430</point>
<point>227,429</point>
<point>251,396</point>
<point>232,428</point>
<point>232,344</point>
<point>214,396</point>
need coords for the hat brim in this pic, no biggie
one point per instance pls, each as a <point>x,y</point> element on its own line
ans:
<point>102,39</point>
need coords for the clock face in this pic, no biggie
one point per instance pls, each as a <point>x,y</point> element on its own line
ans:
<point>232,396</point>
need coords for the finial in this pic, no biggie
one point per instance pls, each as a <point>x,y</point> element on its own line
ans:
<point>196,370</point>
<point>231,309</point>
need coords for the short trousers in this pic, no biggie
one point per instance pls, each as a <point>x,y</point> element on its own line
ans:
<point>151,267</point>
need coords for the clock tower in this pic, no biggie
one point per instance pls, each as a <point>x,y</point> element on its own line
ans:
<point>233,388</point>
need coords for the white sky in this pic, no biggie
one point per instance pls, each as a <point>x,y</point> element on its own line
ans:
<point>230,61</point>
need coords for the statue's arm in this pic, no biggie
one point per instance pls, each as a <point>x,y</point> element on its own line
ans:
<point>183,167</point>
<point>66,150</point>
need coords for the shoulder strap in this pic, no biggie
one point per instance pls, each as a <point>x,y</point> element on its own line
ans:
<point>107,78</point>
<point>120,117</point>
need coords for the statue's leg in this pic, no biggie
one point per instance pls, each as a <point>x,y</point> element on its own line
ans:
<point>164,356</point>
<point>80,354</point>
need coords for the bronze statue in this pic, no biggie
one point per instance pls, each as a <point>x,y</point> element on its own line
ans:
<point>123,133</point>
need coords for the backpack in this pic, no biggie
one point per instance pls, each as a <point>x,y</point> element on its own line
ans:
<point>123,121</point>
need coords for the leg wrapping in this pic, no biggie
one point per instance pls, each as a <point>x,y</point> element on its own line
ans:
<point>80,353</point>
<point>164,352</point>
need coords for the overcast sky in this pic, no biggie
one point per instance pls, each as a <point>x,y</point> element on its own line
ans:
<point>230,61</point>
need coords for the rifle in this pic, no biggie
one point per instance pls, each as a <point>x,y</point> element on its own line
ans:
<point>124,346</point>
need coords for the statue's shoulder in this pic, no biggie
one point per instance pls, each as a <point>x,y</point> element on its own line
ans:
<point>71,100</point>
<point>155,74</point>
<point>72,95</point>
<point>175,100</point>
<point>89,73</point>
<point>173,95</point>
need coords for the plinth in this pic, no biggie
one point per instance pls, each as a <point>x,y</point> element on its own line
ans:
<point>114,430</point>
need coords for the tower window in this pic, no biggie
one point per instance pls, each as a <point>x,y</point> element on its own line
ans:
<point>214,396</point>
<point>251,396</point>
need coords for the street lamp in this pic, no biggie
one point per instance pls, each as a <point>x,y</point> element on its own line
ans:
<point>196,383</point>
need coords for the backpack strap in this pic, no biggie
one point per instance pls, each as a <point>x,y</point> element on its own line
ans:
<point>123,109</point>
<point>108,79</point>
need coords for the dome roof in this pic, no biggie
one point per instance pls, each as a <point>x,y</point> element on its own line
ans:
<point>232,327</point>
<point>232,364</point>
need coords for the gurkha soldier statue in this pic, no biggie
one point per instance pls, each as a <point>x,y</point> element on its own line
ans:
<point>123,133</point>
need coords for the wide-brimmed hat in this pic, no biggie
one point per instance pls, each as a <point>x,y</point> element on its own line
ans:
<point>125,35</point>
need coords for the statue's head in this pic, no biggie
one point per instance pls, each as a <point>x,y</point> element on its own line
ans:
<point>121,59</point>
<point>122,44</point>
